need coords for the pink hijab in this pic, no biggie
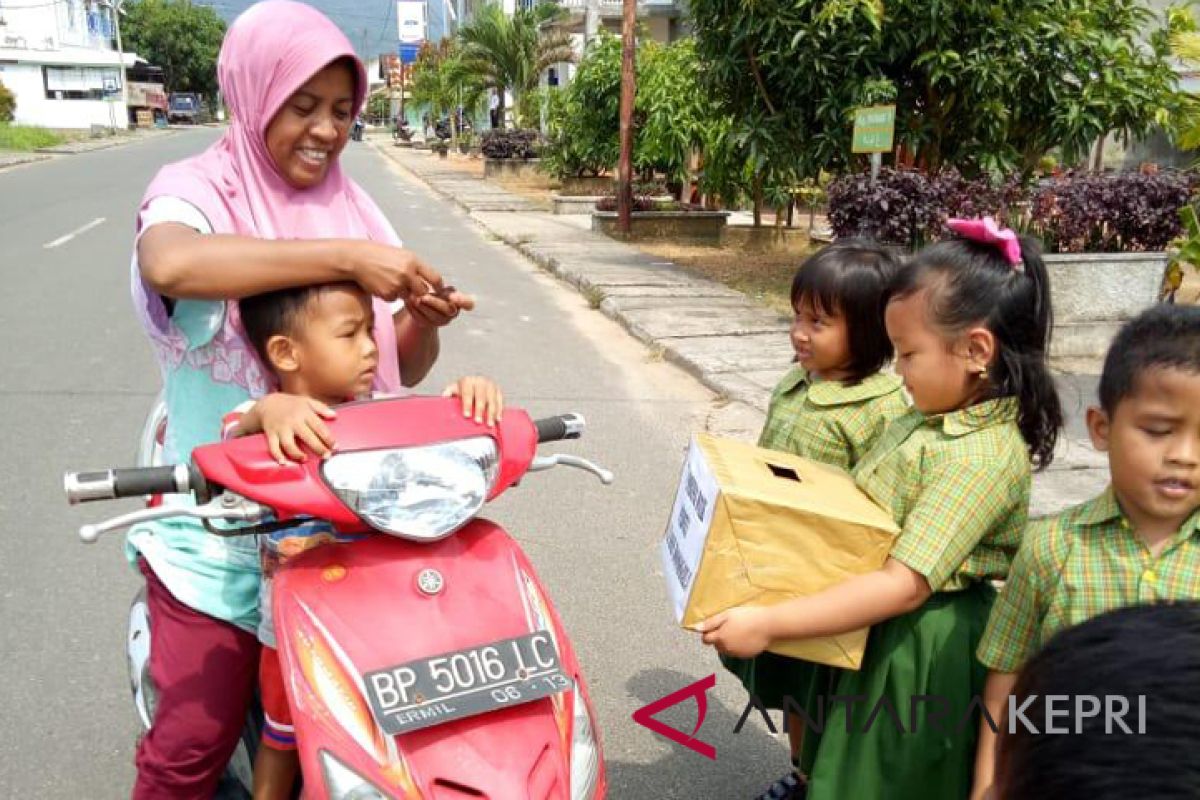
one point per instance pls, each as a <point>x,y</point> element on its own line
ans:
<point>269,52</point>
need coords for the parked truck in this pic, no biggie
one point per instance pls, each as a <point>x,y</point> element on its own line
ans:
<point>183,107</point>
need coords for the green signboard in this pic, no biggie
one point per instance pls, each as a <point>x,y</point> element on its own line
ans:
<point>874,129</point>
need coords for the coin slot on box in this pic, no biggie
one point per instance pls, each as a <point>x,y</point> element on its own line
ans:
<point>787,473</point>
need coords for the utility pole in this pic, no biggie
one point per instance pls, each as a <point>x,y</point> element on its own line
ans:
<point>115,5</point>
<point>628,93</point>
<point>591,21</point>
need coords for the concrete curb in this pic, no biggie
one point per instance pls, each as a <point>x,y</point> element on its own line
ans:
<point>91,146</point>
<point>8,160</point>
<point>736,348</point>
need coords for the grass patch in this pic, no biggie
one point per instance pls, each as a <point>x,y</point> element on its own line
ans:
<point>760,270</point>
<point>26,138</point>
<point>594,296</point>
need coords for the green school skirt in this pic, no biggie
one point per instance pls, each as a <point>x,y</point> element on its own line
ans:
<point>771,678</point>
<point>928,652</point>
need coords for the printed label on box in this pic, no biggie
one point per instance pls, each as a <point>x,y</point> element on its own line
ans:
<point>687,530</point>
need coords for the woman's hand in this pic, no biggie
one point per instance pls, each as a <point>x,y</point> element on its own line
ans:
<point>289,420</point>
<point>438,308</point>
<point>742,632</point>
<point>392,272</point>
<point>481,399</point>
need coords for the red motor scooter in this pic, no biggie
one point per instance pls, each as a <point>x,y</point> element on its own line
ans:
<point>424,663</point>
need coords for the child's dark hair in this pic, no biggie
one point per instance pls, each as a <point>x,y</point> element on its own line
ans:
<point>1150,651</point>
<point>275,313</point>
<point>1163,336</point>
<point>970,284</point>
<point>850,278</point>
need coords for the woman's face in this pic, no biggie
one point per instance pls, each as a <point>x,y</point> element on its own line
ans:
<point>309,131</point>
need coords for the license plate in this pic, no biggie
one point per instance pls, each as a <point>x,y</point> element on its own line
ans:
<point>464,683</point>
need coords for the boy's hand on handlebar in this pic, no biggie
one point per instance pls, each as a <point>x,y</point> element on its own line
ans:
<point>481,399</point>
<point>288,421</point>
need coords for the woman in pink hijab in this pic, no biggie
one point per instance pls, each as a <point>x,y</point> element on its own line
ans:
<point>265,208</point>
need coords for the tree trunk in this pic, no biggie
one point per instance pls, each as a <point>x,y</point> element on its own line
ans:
<point>628,92</point>
<point>402,90</point>
<point>501,111</point>
<point>758,201</point>
<point>1097,164</point>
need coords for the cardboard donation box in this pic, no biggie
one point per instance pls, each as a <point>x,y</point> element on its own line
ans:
<point>755,527</point>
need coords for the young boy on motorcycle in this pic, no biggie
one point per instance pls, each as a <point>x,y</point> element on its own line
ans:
<point>317,342</point>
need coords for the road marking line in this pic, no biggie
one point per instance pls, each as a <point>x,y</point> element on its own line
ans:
<point>83,229</point>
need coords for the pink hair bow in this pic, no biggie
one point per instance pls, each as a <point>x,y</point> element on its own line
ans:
<point>986,231</point>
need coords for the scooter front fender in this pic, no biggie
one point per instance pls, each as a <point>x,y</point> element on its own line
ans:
<point>344,611</point>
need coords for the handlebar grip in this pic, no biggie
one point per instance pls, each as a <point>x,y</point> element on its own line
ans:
<point>563,426</point>
<point>83,487</point>
<point>150,480</point>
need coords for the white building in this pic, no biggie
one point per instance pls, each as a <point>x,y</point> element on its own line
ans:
<point>60,60</point>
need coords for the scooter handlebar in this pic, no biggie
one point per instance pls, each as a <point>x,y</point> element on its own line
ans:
<point>110,484</point>
<point>563,426</point>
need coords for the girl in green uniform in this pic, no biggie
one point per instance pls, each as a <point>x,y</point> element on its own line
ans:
<point>830,407</point>
<point>970,321</point>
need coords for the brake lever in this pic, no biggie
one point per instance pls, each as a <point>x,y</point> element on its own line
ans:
<point>540,463</point>
<point>228,507</point>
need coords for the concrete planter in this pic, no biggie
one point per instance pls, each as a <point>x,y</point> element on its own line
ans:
<point>1092,294</point>
<point>702,227</point>
<point>521,169</point>
<point>573,204</point>
<point>587,185</point>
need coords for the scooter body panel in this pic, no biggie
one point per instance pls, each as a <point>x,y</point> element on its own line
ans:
<point>344,611</point>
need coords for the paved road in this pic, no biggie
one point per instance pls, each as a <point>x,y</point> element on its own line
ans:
<point>76,378</point>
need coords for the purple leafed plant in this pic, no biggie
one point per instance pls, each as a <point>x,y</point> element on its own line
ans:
<point>1078,212</point>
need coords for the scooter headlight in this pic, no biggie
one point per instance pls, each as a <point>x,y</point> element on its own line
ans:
<point>346,784</point>
<point>425,492</point>
<point>585,755</point>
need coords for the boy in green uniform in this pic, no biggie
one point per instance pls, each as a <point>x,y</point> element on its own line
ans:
<point>1150,651</point>
<point>1139,541</point>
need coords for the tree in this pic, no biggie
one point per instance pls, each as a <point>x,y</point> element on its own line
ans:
<point>1185,46</point>
<point>379,107</point>
<point>673,116</point>
<point>441,81</point>
<point>510,53</point>
<point>182,38</point>
<point>978,84</point>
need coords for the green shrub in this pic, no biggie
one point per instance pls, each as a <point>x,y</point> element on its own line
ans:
<point>8,104</point>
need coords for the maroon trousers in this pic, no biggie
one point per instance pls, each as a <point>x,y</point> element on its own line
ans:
<point>204,670</point>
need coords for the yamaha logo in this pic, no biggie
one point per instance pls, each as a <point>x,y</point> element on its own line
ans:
<point>430,582</point>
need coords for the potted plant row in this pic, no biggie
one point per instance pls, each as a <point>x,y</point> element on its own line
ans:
<point>510,153</point>
<point>1105,236</point>
<point>655,214</point>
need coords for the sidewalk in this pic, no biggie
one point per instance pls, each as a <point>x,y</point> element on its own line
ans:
<point>10,158</point>
<point>734,346</point>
